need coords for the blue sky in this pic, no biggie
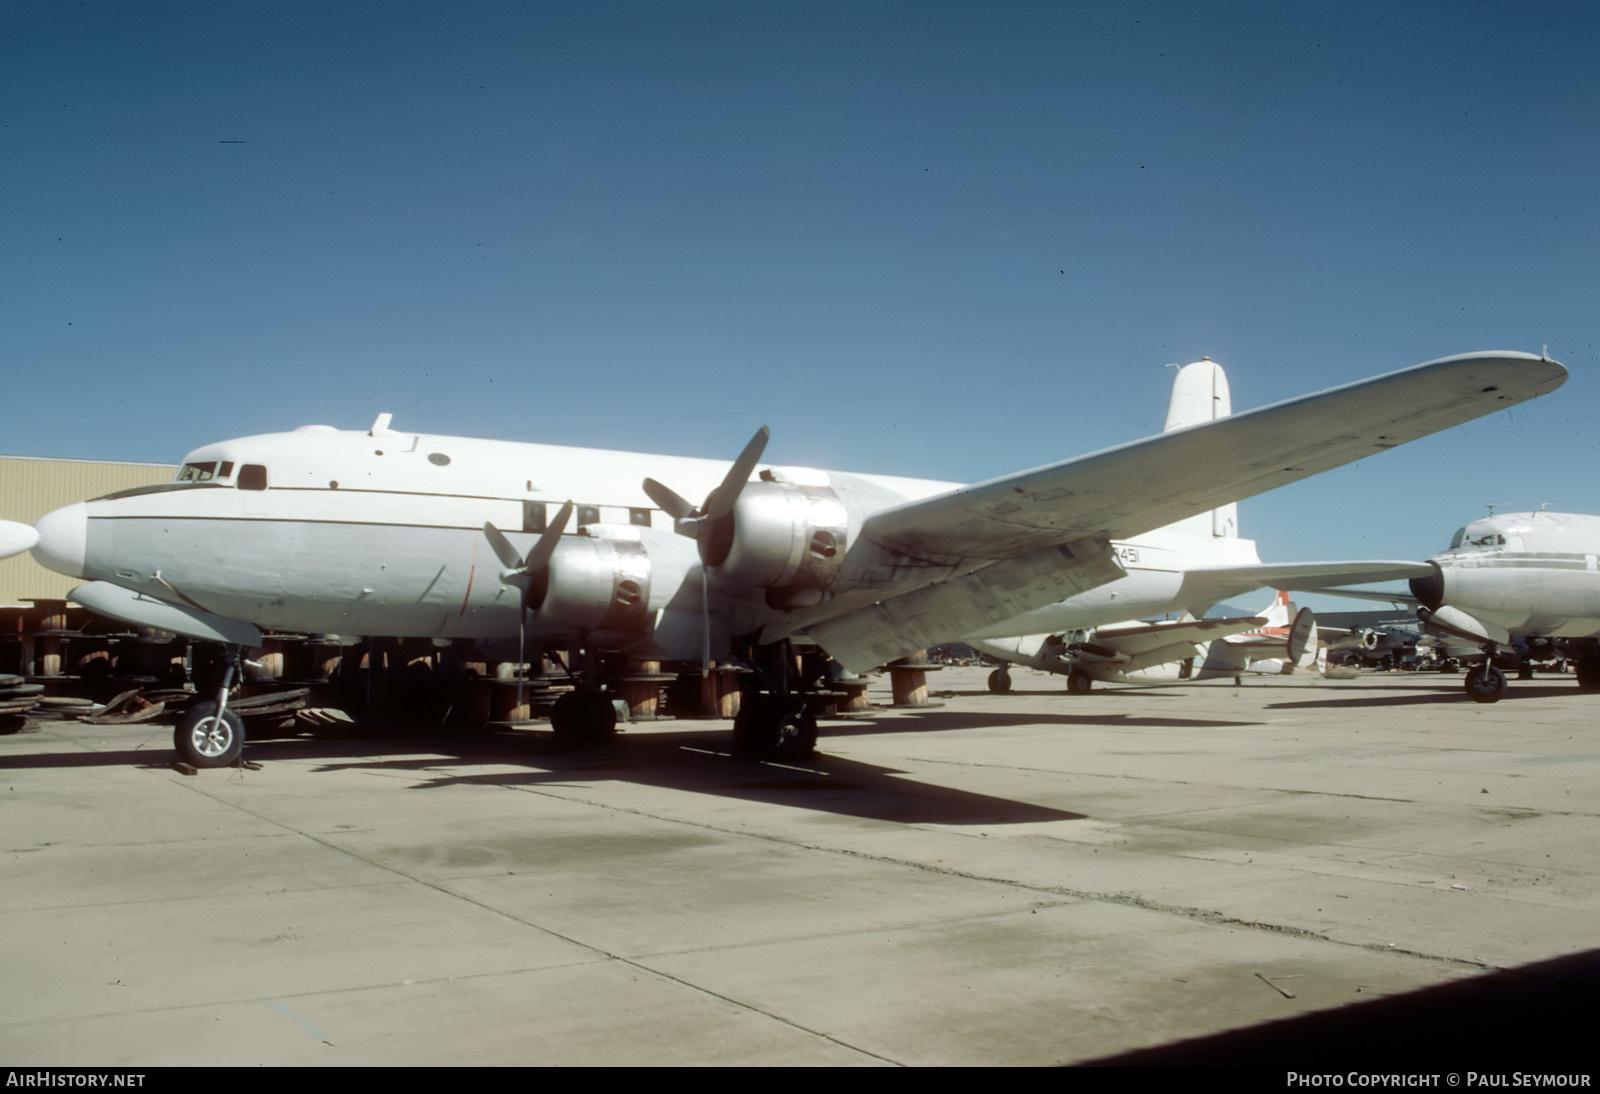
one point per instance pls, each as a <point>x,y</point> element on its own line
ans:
<point>945,239</point>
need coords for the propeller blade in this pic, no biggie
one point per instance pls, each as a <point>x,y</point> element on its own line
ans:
<point>503,549</point>
<point>720,503</point>
<point>539,557</point>
<point>673,504</point>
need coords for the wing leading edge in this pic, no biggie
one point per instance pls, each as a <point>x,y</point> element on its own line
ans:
<point>1121,492</point>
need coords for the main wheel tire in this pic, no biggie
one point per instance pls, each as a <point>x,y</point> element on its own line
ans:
<point>1079,683</point>
<point>770,727</point>
<point>1485,684</point>
<point>1587,668</point>
<point>205,740</point>
<point>584,716</point>
<point>1000,682</point>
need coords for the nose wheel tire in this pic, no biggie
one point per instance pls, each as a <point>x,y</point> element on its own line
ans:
<point>1485,684</point>
<point>203,739</point>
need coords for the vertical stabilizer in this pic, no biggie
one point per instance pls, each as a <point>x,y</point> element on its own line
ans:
<point>1200,394</point>
<point>1277,613</point>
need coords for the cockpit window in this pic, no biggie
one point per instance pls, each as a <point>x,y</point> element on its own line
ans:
<point>252,476</point>
<point>196,472</point>
<point>1477,541</point>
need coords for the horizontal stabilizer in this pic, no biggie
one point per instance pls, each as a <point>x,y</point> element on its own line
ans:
<point>1302,635</point>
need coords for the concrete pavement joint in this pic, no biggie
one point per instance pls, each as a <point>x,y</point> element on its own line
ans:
<point>590,947</point>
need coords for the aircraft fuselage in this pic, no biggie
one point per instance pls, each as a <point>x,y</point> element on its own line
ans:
<point>1526,573</point>
<point>381,533</point>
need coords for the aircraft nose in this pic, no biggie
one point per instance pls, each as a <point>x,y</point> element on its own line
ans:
<point>64,540</point>
<point>16,538</point>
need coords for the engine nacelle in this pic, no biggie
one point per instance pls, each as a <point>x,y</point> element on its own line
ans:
<point>787,534</point>
<point>594,584</point>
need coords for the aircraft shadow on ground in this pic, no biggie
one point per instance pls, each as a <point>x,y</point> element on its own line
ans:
<point>1423,696</point>
<point>1153,691</point>
<point>934,720</point>
<point>689,758</point>
<point>695,761</point>
<point>1536,1018</point>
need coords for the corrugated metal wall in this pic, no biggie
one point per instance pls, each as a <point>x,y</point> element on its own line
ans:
<point>30,488</point>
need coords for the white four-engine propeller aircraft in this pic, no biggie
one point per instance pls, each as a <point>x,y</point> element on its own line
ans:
<point>383,532</point>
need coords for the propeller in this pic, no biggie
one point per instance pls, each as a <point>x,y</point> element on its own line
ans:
<point>692,521</point>
<point>525,572</point>
<point>520,571</point>
<point>702,523</point>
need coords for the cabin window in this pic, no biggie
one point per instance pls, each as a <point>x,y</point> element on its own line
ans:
<point>252,476</point>
<point>640,517</point>
<point>588,514</point>
<point>533,516</point>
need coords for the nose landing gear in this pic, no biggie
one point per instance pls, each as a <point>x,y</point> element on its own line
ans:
<point>209,734</point>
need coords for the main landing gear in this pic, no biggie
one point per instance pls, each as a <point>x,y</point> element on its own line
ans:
<point>1587,665</point>
<point>775,719</point>
<point>1000,681</point>
<point>774,727</point>
<point>584,715</point>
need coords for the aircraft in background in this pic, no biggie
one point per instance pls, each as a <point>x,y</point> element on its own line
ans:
<point>383,532</point>
<point>1184,650</point>
<point>1516,587</point>
<point>1515,577</point>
